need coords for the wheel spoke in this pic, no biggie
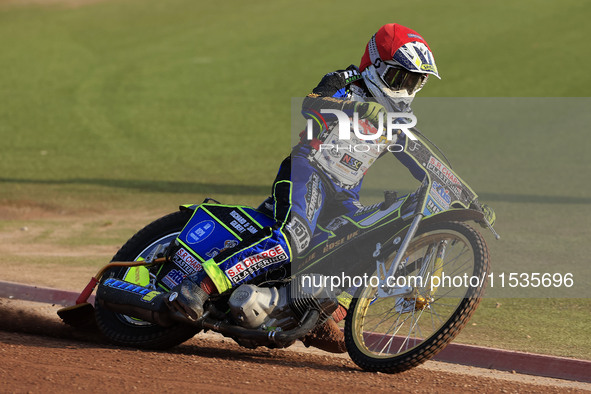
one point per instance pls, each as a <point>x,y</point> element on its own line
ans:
<point>427,308</point>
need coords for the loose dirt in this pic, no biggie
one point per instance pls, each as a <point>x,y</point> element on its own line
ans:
<point>40,354</point>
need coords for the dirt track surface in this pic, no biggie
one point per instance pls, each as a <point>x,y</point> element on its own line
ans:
<point>40,354</point>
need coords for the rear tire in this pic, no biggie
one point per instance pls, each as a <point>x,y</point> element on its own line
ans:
<point>126,331</point>
<point>392,334</point>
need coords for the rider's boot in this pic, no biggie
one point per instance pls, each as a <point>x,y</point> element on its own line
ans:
<point>328,337</point>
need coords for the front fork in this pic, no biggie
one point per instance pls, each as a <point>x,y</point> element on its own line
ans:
<point>389,289</point>
<point>384,288</point>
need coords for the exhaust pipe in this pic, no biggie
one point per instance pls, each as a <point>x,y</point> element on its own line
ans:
<point>134,301</point>
<point>150,305</point>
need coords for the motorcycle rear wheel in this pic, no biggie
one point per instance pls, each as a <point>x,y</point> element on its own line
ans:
<point>124,330</point>
<point>391,334</point>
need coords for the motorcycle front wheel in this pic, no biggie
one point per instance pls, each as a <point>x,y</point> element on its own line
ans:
<point>437,288</point>
<point>127,331</point>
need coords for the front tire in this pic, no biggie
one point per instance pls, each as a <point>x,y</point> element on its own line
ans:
<point>124,330</point>
<point>394,333</point>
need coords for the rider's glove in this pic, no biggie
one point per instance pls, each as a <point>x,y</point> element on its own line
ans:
<point>370,111</point>
<point>188,299</point>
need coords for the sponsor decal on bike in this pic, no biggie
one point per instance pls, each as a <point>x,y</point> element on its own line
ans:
<point>185,261</point>
<point>362,209</point>
<point>173,278</point>
<point>413,146</point>
<point>444,174</point>
<point>256,262</point>
<point>331,245</point>
<point>147,294</point>
<point>241,224</point>
<point>309,258</point>
<point>229,243</point>
<point>440,195</point>
<point>300,233</point>
<point>432,207</point>
<point>200,231</point>
<point>150,296</point>
<point>313,196</point>
<point>336,223</point>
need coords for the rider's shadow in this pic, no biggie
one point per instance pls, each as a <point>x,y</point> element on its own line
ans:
<point>227,349</point>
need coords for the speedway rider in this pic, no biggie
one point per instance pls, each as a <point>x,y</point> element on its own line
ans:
<point>395,66</point>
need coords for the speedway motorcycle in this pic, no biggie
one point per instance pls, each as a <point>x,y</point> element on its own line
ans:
<point>406,251</point>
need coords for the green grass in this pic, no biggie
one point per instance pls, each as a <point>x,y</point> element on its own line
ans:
<point>549,326</point>
<point>145,105</point>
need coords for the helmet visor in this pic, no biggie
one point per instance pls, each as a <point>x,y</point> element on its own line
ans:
<point>398,78</point>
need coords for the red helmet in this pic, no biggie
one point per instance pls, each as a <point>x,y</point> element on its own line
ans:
<point>397,60</point>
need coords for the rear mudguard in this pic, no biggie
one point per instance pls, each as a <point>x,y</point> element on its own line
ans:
<point>455,215</point>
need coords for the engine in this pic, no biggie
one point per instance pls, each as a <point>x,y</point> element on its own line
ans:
<point>281,307</point>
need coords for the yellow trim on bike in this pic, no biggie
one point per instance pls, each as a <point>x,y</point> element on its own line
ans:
<point>219,279</point>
